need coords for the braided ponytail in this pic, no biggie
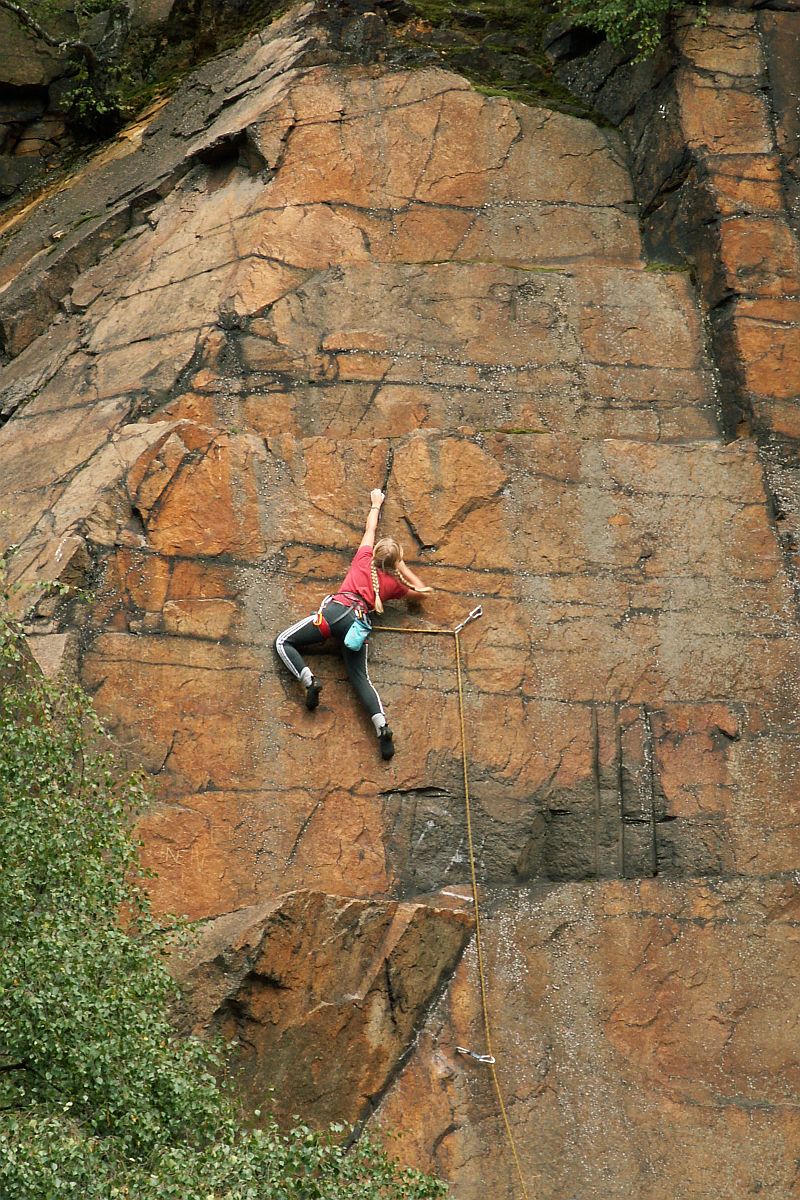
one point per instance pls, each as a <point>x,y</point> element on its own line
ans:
<point>373,570</point>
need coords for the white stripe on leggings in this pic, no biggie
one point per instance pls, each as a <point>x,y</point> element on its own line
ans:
<point>281,638</point>
<point>369,681</point>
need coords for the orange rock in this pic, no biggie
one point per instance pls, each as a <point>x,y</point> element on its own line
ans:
<point>726,43</point>
<point>187,498</point>
<point>441,484</point>
<point>614,1009</point>
<point>747,184</point>
<point>616,318</point>
<point>172,706</point>
<point>767,338</point>
<point>782,417</point>
<point>327,991</point>
<point>183,307</point>
<point>723,121</point>
<point>191,406</point>
<point>760,257</point>
<point>446,291</point>
<point>199,618</point>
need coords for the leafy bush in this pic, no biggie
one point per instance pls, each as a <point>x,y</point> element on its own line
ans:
<point>641,21</point>
<point>99,1098</point>
<point>91,103</point>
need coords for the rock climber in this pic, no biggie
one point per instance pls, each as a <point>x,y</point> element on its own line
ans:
<point>377,573</point>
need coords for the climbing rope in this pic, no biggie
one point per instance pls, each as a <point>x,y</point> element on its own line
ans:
<point>488,1059</point>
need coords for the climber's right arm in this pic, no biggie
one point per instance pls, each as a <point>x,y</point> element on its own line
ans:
<point>377,498</point>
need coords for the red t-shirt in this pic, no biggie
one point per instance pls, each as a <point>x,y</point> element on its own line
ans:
<point>359,580</point>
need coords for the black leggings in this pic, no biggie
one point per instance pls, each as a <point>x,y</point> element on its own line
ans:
<point>305,634</point>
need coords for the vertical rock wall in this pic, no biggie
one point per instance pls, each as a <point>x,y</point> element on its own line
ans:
<point>712,130</point>
<point>290,271</point>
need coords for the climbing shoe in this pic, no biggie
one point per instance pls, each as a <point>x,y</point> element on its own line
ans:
<point>312,694</point>
<point>386,742</point>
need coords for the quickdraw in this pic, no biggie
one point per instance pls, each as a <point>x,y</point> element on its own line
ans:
<point>488,1059</point>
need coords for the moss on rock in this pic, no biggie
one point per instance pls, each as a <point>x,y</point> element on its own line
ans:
<point>496,44</point>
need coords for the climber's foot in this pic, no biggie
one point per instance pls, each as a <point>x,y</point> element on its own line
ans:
<point>312,694</point>
<point>386,742</point>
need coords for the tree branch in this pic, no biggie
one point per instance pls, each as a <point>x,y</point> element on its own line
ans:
<point>28,22</point>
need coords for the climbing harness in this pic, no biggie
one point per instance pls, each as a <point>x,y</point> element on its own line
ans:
<point>360,628</point>
<point>488,1059</point>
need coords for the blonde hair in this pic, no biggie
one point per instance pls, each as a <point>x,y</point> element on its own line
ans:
<point>387,553</point>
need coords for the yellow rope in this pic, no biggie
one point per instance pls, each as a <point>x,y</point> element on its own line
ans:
<point>408,629</point>
<point>474,880</point>
<point>478,940</point>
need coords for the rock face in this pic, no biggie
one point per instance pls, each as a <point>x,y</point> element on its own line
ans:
<point>291,271</point>
<point>47,109</point>
<point>712,127</point>
<point>652,1055</point>
<point>28,131</point>
<point>330,991</point>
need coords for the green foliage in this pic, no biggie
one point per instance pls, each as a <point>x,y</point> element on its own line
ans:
<point>496,44</point>
<point>71,14</point>
<point>92,103</point>
<point>620,21</point>
<point>640,21</point>
<point>99,1098</point>
<point>47,1158</point>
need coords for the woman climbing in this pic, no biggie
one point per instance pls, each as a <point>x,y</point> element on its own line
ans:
<point>377,573</point>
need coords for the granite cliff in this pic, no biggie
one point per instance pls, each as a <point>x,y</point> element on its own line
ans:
<point>302,272</point>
